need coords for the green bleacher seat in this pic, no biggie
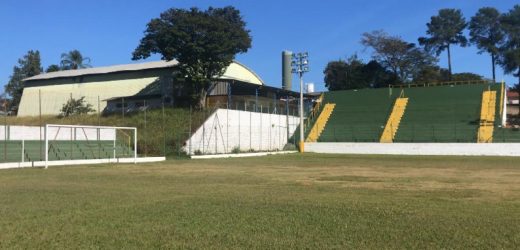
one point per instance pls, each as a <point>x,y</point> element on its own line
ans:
<point>447,113</point>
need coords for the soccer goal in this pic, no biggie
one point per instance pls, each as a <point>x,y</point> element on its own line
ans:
<point>83,142</point>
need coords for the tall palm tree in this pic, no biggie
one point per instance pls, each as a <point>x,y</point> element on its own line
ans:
<point>74,60</point>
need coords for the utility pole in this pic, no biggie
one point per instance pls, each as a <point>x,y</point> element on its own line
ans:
<point>300,65</point>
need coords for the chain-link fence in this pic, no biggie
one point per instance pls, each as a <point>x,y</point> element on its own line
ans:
<point>162,129</point>
<point>229,124</point>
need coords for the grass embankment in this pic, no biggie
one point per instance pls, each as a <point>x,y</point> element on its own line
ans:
<point>291,201</point>
<point>151,139</point>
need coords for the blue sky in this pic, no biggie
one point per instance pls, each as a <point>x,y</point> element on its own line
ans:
<point>108,31</point>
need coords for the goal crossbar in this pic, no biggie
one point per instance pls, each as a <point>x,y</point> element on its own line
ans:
<point>47,136</point>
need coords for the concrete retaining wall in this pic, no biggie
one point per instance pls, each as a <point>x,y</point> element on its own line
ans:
<point>482,149</point>
<point>17,133</point>
<point>249,131</point>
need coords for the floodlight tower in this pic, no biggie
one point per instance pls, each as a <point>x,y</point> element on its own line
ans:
<point>300,65</point>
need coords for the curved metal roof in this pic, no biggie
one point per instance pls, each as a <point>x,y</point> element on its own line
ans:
<point>235,71</point>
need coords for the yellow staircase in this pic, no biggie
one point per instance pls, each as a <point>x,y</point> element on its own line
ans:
<point>320,123</point>
<point>393,121</point>
<point>487,116</point>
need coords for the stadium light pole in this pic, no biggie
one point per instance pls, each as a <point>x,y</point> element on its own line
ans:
<point>300,65</point>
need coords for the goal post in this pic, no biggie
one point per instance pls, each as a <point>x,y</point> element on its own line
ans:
<point>78,142</point>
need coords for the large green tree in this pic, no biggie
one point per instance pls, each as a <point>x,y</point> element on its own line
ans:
<point>355,74</point>
<point>444,30</point>
<point>74,60</point>
<point>486,33</point>
<point>431,74</point>
<point>434,74</point>
<point>29,65</point>
<point>402,58</point>
<point>510,51</point>
<point>203,42</point>
<point>52,68</point>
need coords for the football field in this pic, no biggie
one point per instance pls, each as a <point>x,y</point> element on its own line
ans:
<point>284,201</point>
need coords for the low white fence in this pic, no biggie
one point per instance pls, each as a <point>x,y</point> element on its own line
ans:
<point>227,130</point>
<point>470,149</point>
<point>18,133</point>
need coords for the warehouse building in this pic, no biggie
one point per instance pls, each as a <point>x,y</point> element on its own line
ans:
<point>132,86</point>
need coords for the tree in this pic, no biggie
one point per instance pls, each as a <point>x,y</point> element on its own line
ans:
<point>431,74</point>
<point>434,74</point>
<point>445,29</point>
<point>29,65</point>
<point>354,74</point>
<point>510,51</point>
<point>203,42</point>
<point>52,68</point>
<point>467,76</point>
<point>486,32</point>
<point>74,60</point>
<point>378,76</point>
<point>76,107</point>
<point>336,75</point>
<point>402,58</point>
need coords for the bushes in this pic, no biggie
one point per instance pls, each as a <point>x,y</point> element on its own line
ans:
<point>76,107</point>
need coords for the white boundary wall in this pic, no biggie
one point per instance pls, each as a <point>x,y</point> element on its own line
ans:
<point>11,165</point>
<point>18,133</point>
<point>220,156</point>
<point>227,129</point>
<point>470,149</point>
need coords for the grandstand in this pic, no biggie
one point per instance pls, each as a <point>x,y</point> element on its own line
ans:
<point>443,113</point>
<point>359,115</point>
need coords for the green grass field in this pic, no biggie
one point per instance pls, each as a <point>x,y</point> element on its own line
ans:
<point>291,201</point>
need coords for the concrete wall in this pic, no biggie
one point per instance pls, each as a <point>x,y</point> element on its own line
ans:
<point>16,133</point>
<point>250,131</point>
<point>488,149</point>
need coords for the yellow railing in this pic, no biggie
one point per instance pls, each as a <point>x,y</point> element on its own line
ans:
<point>431,84</point>
<point>320,123</point>
<point>315,110</point>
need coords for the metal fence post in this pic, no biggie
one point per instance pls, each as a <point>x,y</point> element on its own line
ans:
<point>23,143</point>
<point>250,132</point>
<point>190,130</point>
<point>269,113</point>
<point>145,131</point>
<point>261,129</point>
<point>46,148</point>
<point>40,122</point>
<point>227,128</point>
<point>164,129</point>
<point>239,137</point>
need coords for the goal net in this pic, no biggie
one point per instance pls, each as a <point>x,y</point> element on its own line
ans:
<point>82,142</point>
